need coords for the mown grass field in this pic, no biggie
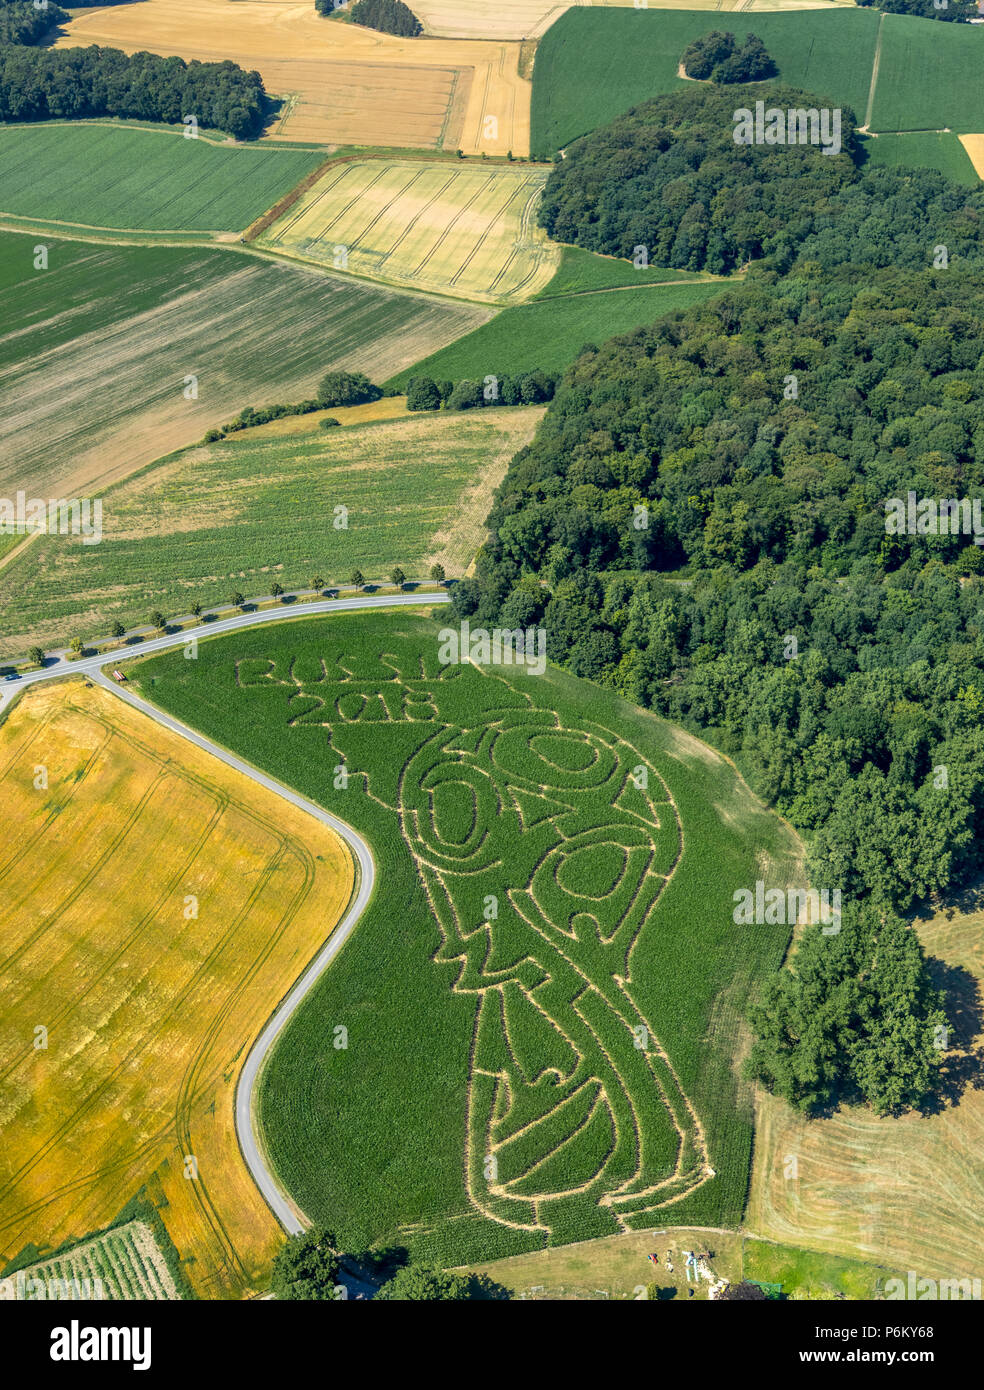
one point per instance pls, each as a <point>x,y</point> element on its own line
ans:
<point>139,178</point>
<point>617,1267</point>
<point>546,885</point>
<point>929,76</point>
<point>929,150</point>
<point>905,1192</point>
<point>450,227</point>
<point>152,956</point>
<point>246,511</point>
<point>592,65</point>
<point>549,333</point>
<point>113,356</point>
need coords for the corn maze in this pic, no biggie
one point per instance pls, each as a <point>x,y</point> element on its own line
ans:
<point>543,1000</point>
<point>544,847</point>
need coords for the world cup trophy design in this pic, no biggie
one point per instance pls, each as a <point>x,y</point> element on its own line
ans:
<point>544,851</point>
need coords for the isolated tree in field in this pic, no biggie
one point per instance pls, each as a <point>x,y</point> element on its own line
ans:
<point>703,54</point>
<point>237,599</point>
<point>76,645</point>
<point>306,1268</point>
<point>357,579</point>
<point>317,583</point>
<point>276,590</point>
<point>437,573</point>
<point>422,394</point>
<point>196,609</point>
<point>158,620</point>
<point>36,655</point>
<point>397,577</point>
<point>346,388</point>
<point>118,630</point>
<point>426,1283</point>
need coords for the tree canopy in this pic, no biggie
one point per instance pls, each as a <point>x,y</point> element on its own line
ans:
<point>346,388</point>
<point>718,57</point>
<point>954,10</point>
<point>39,84</point>
<point>306,1267</point>
<point>388,16</point>
<point>425,1283</point>
<point>701,523</point>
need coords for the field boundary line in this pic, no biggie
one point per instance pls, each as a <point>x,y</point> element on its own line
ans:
<point>274,213</point>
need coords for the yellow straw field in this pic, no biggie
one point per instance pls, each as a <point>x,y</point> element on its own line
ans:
<point>456,228</point>
<point>341,83</point>
<point>156,908</point>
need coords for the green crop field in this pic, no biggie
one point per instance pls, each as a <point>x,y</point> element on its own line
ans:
<point>930,76</point>
<point>139,178</point>
<point>241,513</point>
<point>549,333</point>
<point>593,64</point>
<point>446,226</point>
<point>113,356</point>
<point>543,999</point>
<point>86,289</point>
<point>581,271</point>
<point>925,150</point>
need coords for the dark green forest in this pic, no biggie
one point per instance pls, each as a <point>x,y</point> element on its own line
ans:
<point>700,523</point>
<point>954,10</point>
<point>38,84</point>
<point>668,176</point>
<point>21,22</point>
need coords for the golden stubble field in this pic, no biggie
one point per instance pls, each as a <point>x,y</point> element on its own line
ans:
<point>974,145</point>
<point>457,229</point>
<point>156,909</point>
<point>342,83</point>
<point>530,19</point>
<point>907,1193</point>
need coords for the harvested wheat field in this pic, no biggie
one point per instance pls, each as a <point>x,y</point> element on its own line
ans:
<point>906,1192</point>
<point>341,83</point>
<point>453,228</point>
<point>157,907</point>
<point>974,145</point>
<point>530,19</point>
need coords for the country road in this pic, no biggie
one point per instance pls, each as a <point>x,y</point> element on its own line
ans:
<point>278,1201</point>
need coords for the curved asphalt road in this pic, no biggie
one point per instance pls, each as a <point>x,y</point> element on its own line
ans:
<point>246,1130</point>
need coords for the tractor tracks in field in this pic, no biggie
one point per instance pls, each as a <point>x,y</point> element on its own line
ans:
<point>246,1120</point>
